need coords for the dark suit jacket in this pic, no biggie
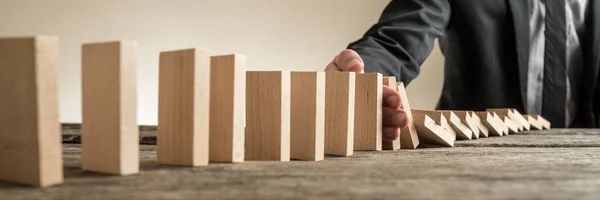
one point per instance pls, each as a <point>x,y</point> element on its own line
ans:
<point>486,49</point>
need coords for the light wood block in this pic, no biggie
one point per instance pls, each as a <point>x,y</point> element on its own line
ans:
<point>483,129</point>
<point>367,120</point>
<point>307,116</point>
<point>535,124</point>
<point>437,118</point>
<point>542,121</point>
<point>268,115</point>
<point>409,138</point>
<point>506,112</point>
<point>463,132</point>
<point>339,113</point>
<point>512,115</point>
<point>491,123</point>
<point>390,81</point>
<point>432,133</point>
<point>500,123</point>
<point>183,107</point>
<point>109,108</point>
<point>227,108</point>
<point>520,119</point>
<point>30,133</point>
<point>466,118</point>
<point>513,127</point>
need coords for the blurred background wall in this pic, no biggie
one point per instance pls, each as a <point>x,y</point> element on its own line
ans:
<point>273,34</point>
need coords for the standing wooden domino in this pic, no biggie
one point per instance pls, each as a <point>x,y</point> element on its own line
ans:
<point>467,119</point>
<point>367,119</point>
<point>483,129</point>
<point>227,108</point>
<point>390,81</point>
<point>432,130</point>
<point>491,123</point>
<point>268,115</point>
<point>307,116</point>
<point>409,139</point>
<point>339,113</point>
<point>30,135</point>
<point>109,108</point>
<point>183,107</point>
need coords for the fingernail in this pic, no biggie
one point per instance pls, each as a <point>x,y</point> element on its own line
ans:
<point>393,101</point>
<point>400,118</point>
<point>353,64</point>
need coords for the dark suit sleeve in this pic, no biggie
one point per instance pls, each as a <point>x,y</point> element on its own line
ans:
<point>403,38</point>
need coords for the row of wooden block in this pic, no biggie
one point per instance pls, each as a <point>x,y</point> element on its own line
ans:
<point>441,128</point>
<point>210,109</point>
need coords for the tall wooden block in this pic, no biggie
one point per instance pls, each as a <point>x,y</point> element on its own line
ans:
<point>268,115</point>
<point>409,139</point>
<point>109,108</point>
<point>339,113</point>
<point>307,116</point>
<point>367,120</point>
<point>463,132</point>
<point>544,122</point>
<point>432,130</point>
<point>390,81</point>
<point>30,135</point>
<point>467,119</point>
<point>491,123</point>
<point>483,129</point>
<point>183,107</point>
<point>227,108</point>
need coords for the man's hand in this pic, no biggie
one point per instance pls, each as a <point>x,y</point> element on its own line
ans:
<point>394,117</point>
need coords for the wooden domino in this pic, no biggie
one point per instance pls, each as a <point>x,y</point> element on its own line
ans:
<point>512,126</point>
<point>367,119</point>
<point>432,131</point>
<point>109,108</point>
<point>520,119</point>
<point>30,134</point>
<point>491,123</point>
<point>339,113</point>
<point>434,114</point>
<point>183,107</point>
<point>390,81</point>
<point>268,115</point>
<point>483,129</point>
<point>227,108</point>
<point>543,122</point>
<point>513,115</point>
<point>535,124</point>
<point>409,138</point>
<point>307,116</point>
<point>500,123</point>
<point>467,119</point>
<point>463,132</point>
